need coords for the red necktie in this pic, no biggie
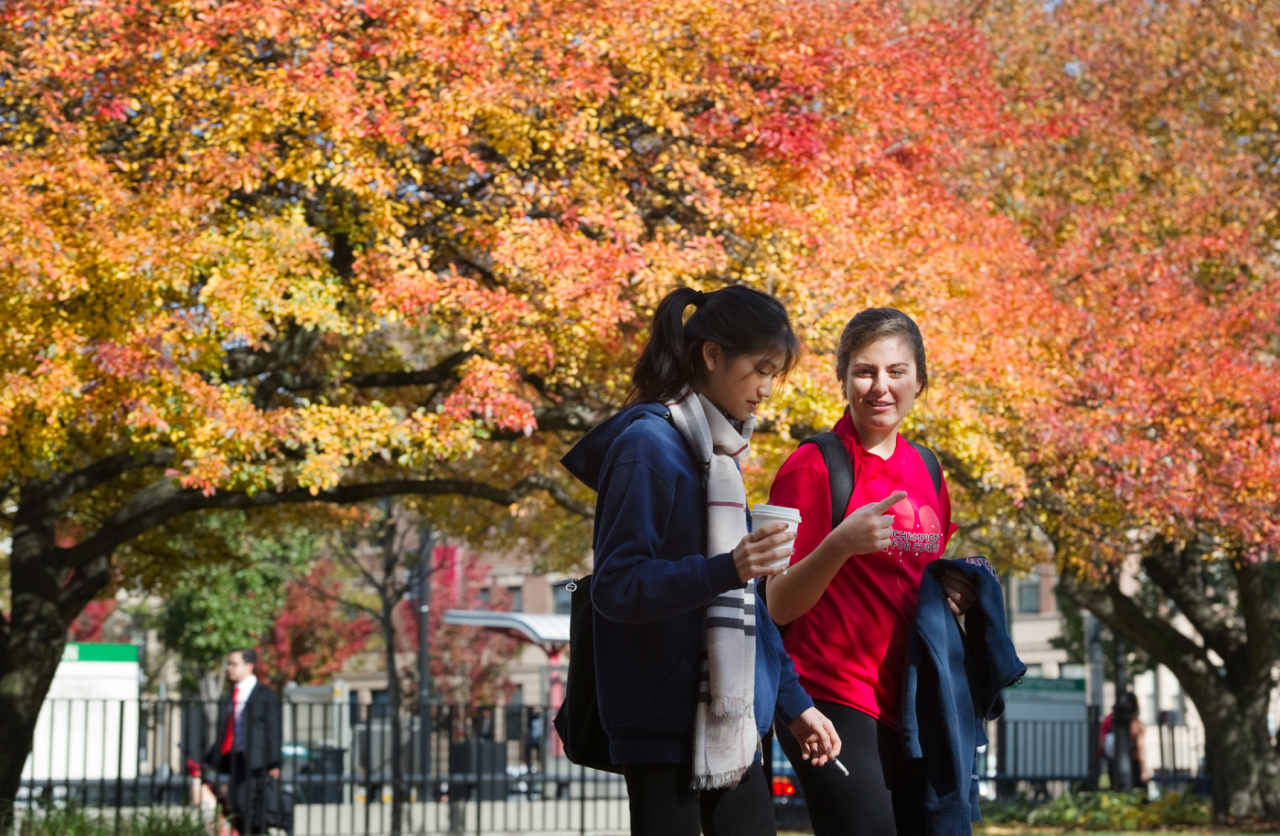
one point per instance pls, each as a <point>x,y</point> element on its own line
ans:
<point>229,739</point>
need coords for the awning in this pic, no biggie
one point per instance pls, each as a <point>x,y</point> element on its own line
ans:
<point>549,631</point>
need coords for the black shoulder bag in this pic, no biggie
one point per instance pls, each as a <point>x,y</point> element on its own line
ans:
<point>578,720</point>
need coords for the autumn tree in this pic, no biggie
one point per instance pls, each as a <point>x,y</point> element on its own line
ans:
<point>467,665</point>
<point>1144,178</point>
<point>312,636</point>
<point>89,625</point>
<point>255,254</point>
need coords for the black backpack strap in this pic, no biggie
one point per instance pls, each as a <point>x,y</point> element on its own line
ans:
<point>931,463</point>
<point>839,472</point>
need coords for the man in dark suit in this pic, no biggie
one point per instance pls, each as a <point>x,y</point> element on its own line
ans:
<point>248,741</point>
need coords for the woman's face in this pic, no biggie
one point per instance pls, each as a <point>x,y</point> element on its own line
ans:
<point>882,384</point>
<point>737,386</point>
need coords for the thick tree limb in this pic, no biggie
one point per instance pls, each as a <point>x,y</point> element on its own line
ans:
<point>86,582</point>
<point>1258,614</point>
<point>164,499</point>
<point>1187,660</point>
<point>445,370</point>
<point>1176,570</point>
<point>292,348</point>
<point>90,477</point>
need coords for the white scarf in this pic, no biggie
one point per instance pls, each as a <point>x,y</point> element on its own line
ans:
<point>725,737</point>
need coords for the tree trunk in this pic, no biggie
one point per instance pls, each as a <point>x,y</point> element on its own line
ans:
<point>393,686</point>
<point>210,684</point>
<point>1243,766</point>
<point>45,598</point>
<point>1232,699</point>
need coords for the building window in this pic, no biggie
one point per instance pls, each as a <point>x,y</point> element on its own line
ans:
<point>1034,672</point>
<point>517,598</point>
<point>1071,670</point>
<point>483,598</point>
<point>1029,593</point>
<point>563,600</point>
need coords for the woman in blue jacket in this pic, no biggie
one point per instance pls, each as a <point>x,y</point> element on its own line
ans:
<point>689,666</point>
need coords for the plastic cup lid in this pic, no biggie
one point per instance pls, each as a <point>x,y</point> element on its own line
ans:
<point>776,511</point>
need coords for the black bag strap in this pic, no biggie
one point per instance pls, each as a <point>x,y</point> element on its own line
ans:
<point>931,464</point>
<point>839,472</point>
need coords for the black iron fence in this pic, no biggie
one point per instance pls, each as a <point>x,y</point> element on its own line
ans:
<point>461,769</point>
<point>1047,757</point>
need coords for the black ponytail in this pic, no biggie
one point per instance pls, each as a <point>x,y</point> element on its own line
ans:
<point>736,318</point>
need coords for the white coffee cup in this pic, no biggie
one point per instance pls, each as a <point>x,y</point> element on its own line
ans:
<point>762,515</point>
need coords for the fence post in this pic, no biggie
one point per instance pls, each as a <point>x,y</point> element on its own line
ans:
<point>119,765</point>
<point>1095,764</point>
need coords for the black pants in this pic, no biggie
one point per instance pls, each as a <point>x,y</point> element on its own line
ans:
<point>662,804</point>
<point>884,793</point>
<point>246,794</point>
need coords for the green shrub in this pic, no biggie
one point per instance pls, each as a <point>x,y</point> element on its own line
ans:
<point>77,821</point>
<point>1007,812</point>
<point>1103,811</point>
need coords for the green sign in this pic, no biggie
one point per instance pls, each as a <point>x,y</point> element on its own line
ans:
<point>86,652</point>
<point>1036,683</point>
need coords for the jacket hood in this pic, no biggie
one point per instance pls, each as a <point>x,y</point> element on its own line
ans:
<point>587,456</point>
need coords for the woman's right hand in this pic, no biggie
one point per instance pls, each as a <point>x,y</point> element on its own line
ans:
<point>869,529</point>
<point>761,553</point>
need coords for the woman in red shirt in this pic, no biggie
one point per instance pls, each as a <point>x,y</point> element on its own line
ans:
<point>850,594</point>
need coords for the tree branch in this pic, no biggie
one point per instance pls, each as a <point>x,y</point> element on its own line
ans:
<point>1258,648</point>
<point>337,599</point>
<point>86,582</point>
<point>446,369</point>
<point>164,499</point>
<point>1176,570</point>
<point>566,417</point>
<point>105,470</point>
<point>292,348</point>
<point>1188,661</point>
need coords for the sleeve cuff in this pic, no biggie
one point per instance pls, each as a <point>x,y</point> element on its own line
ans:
<point>793,702</point>
<point>720,575</point>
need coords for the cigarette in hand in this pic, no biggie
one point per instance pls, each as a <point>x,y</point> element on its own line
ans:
<point>840,766</point>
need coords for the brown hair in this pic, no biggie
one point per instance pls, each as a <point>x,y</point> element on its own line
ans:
<point>876,324</point>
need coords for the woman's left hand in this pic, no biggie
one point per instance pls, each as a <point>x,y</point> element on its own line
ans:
<point>816,735</point>
<point>960,591</point>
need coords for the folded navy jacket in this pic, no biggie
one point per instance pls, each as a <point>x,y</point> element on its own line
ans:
<point>953,684</point>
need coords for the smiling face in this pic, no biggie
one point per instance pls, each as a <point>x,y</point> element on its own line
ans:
<point>881,385</point>
<point>739,385</point>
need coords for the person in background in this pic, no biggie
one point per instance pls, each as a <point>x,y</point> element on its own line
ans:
<point>689,667</point>
<point>851,593</point>
<point>248,744</point>
<point>1126,704</point>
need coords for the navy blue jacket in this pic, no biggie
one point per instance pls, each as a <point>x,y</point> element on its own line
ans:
<point>953,685</point>
<point>651,587</point>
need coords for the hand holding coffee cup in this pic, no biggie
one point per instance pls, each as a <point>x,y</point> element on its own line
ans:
<point>766,515</point>
<point>758,553</point>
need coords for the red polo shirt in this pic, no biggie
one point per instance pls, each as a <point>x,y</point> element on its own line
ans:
<point>851,647</point>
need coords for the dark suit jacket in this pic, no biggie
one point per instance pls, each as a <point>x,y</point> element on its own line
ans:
<point>260,725</point>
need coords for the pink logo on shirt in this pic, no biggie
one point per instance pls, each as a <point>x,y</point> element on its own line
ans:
<point>915,541</point>
<point>982,561</point>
